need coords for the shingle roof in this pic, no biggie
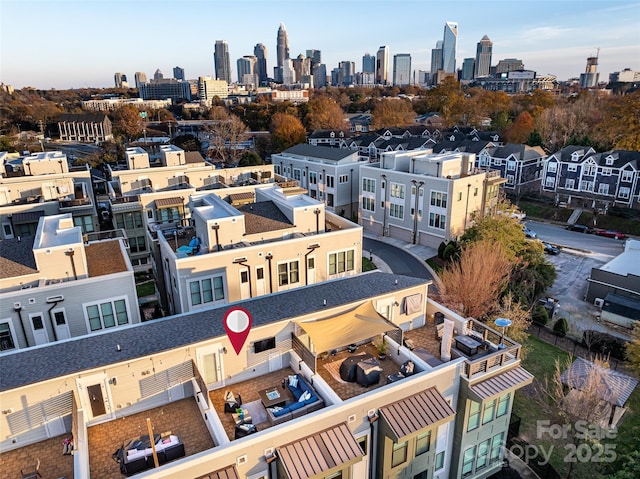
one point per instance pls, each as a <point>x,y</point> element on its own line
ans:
<point>37,364</point>
<point>324,152</point>
<point>263,216</point>
<point>105,257</point>
<point>16,257</point>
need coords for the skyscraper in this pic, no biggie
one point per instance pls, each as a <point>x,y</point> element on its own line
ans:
<point>157,75</point>
<point>382,65</point>
<point>401,69</point>
<point>178,73</point>
<point>247,70</point>
<point>368,63</point>
<point>589,78</point>
<point>468,67</point>
<point>436,58</point>
<point>483,57</point>
<point>282,50</point>
<point>449,42</point>
<point>260,51</point>
<point>120,80</point>
<point>222,61</point>
<point>140,78</point>
<point>315,56</point>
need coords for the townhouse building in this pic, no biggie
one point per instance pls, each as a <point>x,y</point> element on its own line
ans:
<point>521,165</point>
<point>41,184</point>
<point>327,174</point>
<point>425,198</point>
<point>433,408</point>
<point>578,176</point>
<point>54,285</point>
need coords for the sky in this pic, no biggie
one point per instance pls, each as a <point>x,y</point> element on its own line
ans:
<point>65,44</point>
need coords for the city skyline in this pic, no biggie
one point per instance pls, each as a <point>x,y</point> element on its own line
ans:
<point>549,37</point>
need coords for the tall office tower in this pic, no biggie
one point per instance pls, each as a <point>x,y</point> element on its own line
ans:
<point>347,71</point>
<point>209,88</point>
<point>140,78</point>
<point>302,67</point>
<point>222,61</point>
<point>315,56</point>
<point>382,65</point>
<point>401,69</point>
<point>509,65</point>
<point>368,63</point>
<point>320,75</point>
<point>178,73</point>
<point>247,70</point>
<point>468,67</point>
<point>483,57</point>
<point>158,75</point>
<point>422,77</point>
<point>449,47</point>
<point>260,51</point>
<point>436,58</point>
<point>120,80</point>
<point>589,78</point>
<point>288,73</point>
<point>282,49</point>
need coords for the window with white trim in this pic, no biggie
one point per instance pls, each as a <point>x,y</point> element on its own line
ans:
<point>603,189</point>
<point>331,181</point>
<point>511,165</point>
<point>627,176</point>
<point>589,170</point>
<point>343,179</point>
<point>107,314</point>
<point>313,178</point>
<point>369,185</point>
<point>552,167</point>
<point>609,160</point>
<point>342,261</point>
<point>288,273</point>
<point>586,185</point>
<point>510,179</point>
<point>549,181</point>
<point>368,204</point>
<point>572,168</point>
<point>206,290</point>
<point>497,161</point>
<point>439,460</point>
<point>624,192</point>
<point>6,336</point>
<point>296,174</point>
<point>85,222</point>
<point>436,220</point>
<point>570,184</point>
<point>439,199</point>
<point>606,171</point>
<point>396,190</point>
<point>396,211</point>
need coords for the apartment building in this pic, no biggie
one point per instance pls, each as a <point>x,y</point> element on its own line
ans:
<point>330,175</point>
<point>578,176</point>
<point>55,286</point>
<point>41,184</point>
<point>433,408</point>
<point>85,127</point>
<point>521,165</point>
<point>425,198</point>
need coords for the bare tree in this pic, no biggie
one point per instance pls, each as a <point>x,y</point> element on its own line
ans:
<point>226,132</point>
<point>472,285</point>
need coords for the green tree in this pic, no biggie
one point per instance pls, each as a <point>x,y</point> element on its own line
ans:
<point>629,468</point>
<point>535,139</point>
<point>250,158</point>
<point>561,327</point>
<point>286,131</point>
<point>540,316</point>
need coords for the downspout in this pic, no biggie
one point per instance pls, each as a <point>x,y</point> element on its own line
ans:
<point>70,254</point>
<point>384,206</point>
<point>53,327</point>
<point>317,213</point>
<point>24,331</point>
<point>351,191</point>
<point>415,210</point>
<point>269,257</point>
<point>373,443</point>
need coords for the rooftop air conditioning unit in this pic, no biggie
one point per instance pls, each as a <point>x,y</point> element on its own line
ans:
<point>598,302</point>
<point>55,299</point>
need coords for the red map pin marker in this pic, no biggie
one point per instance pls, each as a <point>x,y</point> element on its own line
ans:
<point>237,322</point>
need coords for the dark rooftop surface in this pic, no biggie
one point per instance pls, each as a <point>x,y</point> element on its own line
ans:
<point>16,257</point>
<point>263,216</point>
<point>92,351</point>
<point>324,152</point>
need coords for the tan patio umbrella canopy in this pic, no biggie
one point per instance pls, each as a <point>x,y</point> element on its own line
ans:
<point>356,325</point>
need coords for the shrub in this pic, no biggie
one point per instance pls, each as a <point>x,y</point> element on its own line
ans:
<point>441,249</point>
<point>604,343</point>
<point>561,327</point>
<point>451,252</point>
<point>540,316</point>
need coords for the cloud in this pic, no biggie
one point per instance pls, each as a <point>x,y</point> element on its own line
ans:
<point>538,34</point>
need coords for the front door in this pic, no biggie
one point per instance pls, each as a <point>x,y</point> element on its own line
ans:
<point>275,361</point>
<point>261,285</point>
<point>311,269</point>
<point>210,364</point>
<point>244,284</point>
<point>361,469</point>
<point>60,323</point>
<point>96,400</point>
<point>40,335</point>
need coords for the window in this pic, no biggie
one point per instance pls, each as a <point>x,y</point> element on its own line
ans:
<point>459,195</point>
<point>341,261</point>
<point>603,189</point>
<point>206,290</point>
<point>396,190</point>
<point>549,182</point>
<point>570,184</point>
<point>168,215</point>
<point>368,185</point>
<point>343,179</point>
<point>496,445</point>
<point>6,338</point>
<point>437,220</point>
<point>399,455</point>
<point>475,191</point>
<point>474,416</point>
<point>483,454</point>
<point>510,179</point>
<point>59,318</point>
<point>624,192</point>
<point>511,165</point>
<point>503,405</point>
<point>296,174</point>
<point>137,244</point>
<point>368,204</point>
<point>552,167</point>
<point>627,176</point>
<point>440,460</point>
<point>609,160</point>
<point>422,475</point>
<point>107,315</point>
<point>396,211</point>
<point>313,178</point>
<point>497,161</point>
<point>606,171</point>
<point>438,199</point>
<point>130,220</point>
<point>84,222</point>
<point>330,181</point>
<point>590,170</point>
<point>572,168</point>
<point>586,185</point>
<point>467,461</point>
<point>489,410</point>
<point>423,443</point>
<point>288,273</point>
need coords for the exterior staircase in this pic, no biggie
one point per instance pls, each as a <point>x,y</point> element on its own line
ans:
<point>574,216</point>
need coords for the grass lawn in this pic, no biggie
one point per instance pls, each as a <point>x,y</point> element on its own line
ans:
<point>540,361</point>
<point>146,289</point>
<point>541,210</point>
<point>367,265</point>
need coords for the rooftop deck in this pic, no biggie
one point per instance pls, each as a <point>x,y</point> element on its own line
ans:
<point>53,464</point>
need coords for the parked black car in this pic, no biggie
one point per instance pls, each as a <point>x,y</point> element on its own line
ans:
<point>550,249</point>
<point>580,228</point>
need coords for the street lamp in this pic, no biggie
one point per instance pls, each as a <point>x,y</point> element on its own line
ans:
<point>503,323</point>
